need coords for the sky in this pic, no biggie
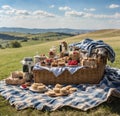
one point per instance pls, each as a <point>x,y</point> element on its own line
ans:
<point>75,14</point>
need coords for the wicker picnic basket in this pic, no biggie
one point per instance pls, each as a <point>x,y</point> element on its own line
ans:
<point>90,54</point>
<point>82,76</point>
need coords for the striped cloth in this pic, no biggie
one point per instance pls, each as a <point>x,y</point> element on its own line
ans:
<point>88,45</point>
<point>87,96</point>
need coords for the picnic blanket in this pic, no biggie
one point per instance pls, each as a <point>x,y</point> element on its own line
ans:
<point>87,96</point>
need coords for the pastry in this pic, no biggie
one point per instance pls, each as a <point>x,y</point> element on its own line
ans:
<point>14,81</point>
<point>50,93</point>
<point>42,63</point>
<point>54,64</point>
<point>58,86</point>
<point>56,90</point>
<point>61,63</point>
<point>16,78</point>
<point>64,91</point>
<point>40,84</point>
<point>17,74</point>
<point>34,86</point>
<point>40,88</point>
<point>73,89</point>
<point>68,87</point>
<point>59,90</point>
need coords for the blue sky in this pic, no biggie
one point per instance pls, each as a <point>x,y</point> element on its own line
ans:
<point>77,14</point>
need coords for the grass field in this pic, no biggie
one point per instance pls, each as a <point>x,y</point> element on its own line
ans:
<point>10,61</point>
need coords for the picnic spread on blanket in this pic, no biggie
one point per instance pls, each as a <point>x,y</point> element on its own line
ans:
<point>77,77</point>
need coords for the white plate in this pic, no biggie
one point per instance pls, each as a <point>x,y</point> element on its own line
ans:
<point>38,91</point>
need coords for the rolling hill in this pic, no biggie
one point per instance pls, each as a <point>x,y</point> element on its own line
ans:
<point>21,36</point>
<point>106,35</point>
<point>35,30</point>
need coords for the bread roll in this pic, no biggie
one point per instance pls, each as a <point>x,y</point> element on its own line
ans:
<point>58,86</point>
<point>34,86</point>
<point>50,93</point>
<point>40,88</point>
<point>64,91</point>
<point>56,90</point>
<point>73,89</point>
<point>68,87</point>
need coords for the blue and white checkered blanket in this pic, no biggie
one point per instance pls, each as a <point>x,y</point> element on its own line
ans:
<point>87,96</point>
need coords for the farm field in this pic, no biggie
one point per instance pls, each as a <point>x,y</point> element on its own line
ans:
<point>10,61</point>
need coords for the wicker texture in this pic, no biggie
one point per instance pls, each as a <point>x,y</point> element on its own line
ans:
<point>84,75</point>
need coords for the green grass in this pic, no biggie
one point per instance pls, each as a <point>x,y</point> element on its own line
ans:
<point>10,61</point>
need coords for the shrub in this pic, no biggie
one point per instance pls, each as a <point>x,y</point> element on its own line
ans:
<point>24,40</point>
<point>15,44</point>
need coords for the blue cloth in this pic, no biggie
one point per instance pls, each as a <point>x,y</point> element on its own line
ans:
<point>89,44</point>
<point>87,96</point>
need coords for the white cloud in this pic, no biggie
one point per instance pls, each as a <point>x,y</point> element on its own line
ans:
<point>114,6</point>
<point>22,12</point>
<point>74,13</point>
<point>52,6</point>
<point>8,10</point>
<point>6,7</point>
<point>90,15</point>
<point>43,13</point>
<point>90,9</point>
<point>65,8</point>
<point>78,14</point>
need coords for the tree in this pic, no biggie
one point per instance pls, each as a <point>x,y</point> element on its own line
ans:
<point>15,44</point>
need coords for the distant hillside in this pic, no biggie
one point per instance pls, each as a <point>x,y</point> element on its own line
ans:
<point>21,36</point>
<point>106,33</point>
<point>60,30</point>
<point>10,37</point>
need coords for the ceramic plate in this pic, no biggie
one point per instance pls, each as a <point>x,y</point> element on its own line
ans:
<point>38,91</point>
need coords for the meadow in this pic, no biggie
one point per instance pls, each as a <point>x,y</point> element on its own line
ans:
<point>10,61</point>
